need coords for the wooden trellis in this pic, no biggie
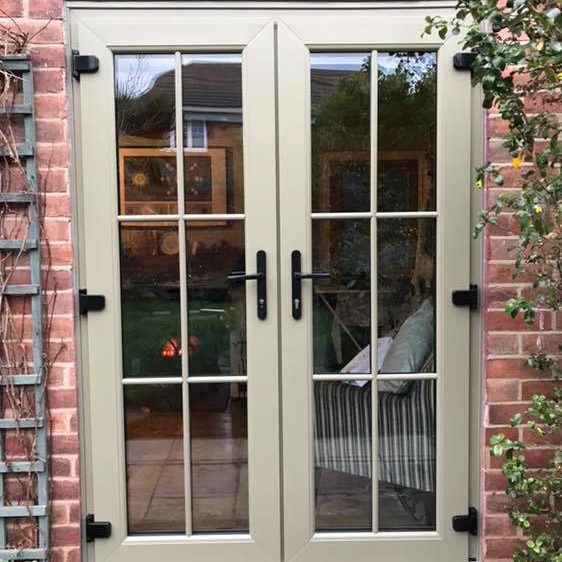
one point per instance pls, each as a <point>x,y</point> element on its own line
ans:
<point>27,203</point>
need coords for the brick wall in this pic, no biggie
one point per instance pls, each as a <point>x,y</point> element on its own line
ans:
<point>509,384</point>
<point>48,57</point>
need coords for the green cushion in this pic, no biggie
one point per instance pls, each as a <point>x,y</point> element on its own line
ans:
<point>410,349</point>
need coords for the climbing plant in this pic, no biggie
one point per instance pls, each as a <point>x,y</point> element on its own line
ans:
<point>518,63</point>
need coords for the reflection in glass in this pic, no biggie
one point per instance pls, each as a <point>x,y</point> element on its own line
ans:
<point>406,293</point>
<point>154,453</point>
<point>219,457</point>
<point>150,301</point>
<point>342,453</point>
<point>341,304</point>
<point>216,307</point>
<point>340,100</point>
<point>145,115</point>
<point>407,119</point>
<point>406,425</point>
<point>212,100</point>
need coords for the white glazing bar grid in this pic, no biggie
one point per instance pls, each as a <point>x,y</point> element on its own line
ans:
<point>344,377</point>
<point>379,215</point>
<point>131,381</point>
<point>184,330</point>
<point>374,304</point>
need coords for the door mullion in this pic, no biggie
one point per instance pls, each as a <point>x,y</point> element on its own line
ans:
<point>183,292</point>
<point>374,303</point>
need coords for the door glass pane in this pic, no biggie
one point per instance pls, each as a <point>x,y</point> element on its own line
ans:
<point>145,119</point>
<point>406,427</point>
<point>342,453</point>
<point>216,307</point>
<point>406,294</point>
<point>340,113</point>
<point>342,303</point>
<point>219,457</point>
<point>406,137</point>
<point>212,117</point>
<point>150,299</point>
<point>154,453</point>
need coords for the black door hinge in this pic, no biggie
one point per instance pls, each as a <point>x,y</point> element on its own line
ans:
<point>463,61</point>
<point>96,529</point>
<point>466,297</point>
<point>88,302</point>
<point>466,523</point>
<point>83,63</point>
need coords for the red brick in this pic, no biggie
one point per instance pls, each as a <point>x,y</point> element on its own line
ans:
<point>530,437</point>
<point>493,194</point>
<point>57,230</point>
<point>541,342</point>
<point>48,81</point>
<point>511,177</point>
<point>499,320</point>
<point>499,526</point>
<point>59,511</point>
<point>510,368</point>
<point>64,444</point>
<point>73,555</point>
<point>62,398</point>
<point>53,155</point>
<point>536,457</point>
<point>50,130</point>
<point>50,106</point>
<point>501,248</point>
<point>61,254</point>
<point>501,414</point>
<point>497,127</point>
<point>12,8</point>
<point>545,387</point>
<point>53,179</point>
<point>68,535</point>
<point>74,512</point>
<point>494,480</point>
<point>496,297</point>
<point>497,153</point>
<point>502,344</point>
<point>502,547</point>
<point>45,9</point>
<point>502,390</point>
<point>48,56</point>
<point>60,467</point>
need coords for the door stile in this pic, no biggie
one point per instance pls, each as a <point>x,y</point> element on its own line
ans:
<point>184,329</point>
<point>294,185</point>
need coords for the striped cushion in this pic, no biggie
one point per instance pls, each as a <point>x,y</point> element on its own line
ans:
<point>406,427</point>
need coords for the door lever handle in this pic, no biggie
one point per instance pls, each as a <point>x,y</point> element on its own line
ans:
<point>242,276</point>
<point>260,277</point>
<point>297,276</point>
<point>313,275</point>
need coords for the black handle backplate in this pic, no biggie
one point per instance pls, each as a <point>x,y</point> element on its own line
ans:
<point>261,277</point>
<point>296,277</point>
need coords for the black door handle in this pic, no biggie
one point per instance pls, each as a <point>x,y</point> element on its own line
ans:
<point>297,276</point>
<point>260,277</point>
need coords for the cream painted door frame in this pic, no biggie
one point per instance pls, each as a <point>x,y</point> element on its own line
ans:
<point>299,35</point>
<point>103,34</point>
<point>276,46</point>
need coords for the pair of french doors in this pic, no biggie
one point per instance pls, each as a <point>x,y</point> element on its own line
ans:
<point>275,205</point>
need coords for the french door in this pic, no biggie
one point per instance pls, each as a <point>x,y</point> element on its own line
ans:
<point>275,206</point>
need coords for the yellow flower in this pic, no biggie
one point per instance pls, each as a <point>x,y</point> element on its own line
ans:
<point>479,184</point>
<point>540,45</point>
<point>517,161</point>
<point>537,209</point>
<point>559,76</point>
